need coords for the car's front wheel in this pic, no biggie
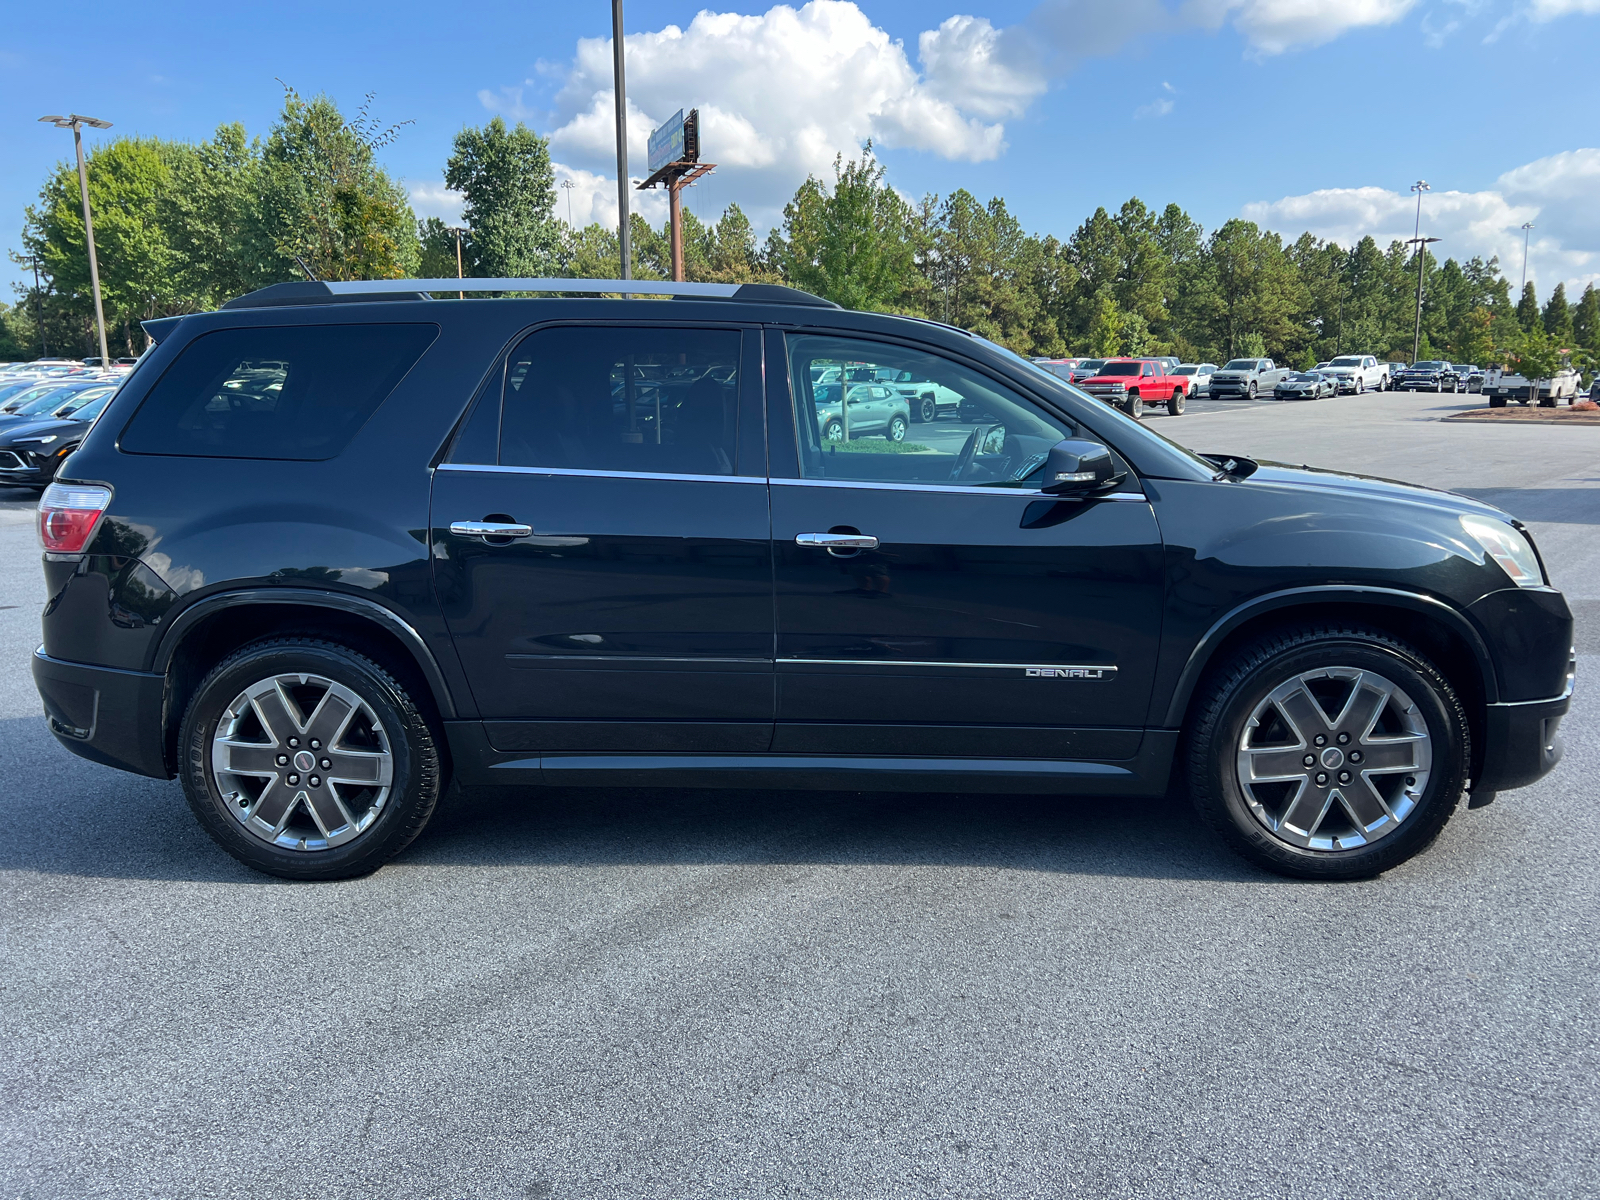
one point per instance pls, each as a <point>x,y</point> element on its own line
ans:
<point>1328,752</point>
<point>834,432</point>
<point>305,759</point>
<point>897,429</point>
<point>1250,392</point>
<point>1135,406</point>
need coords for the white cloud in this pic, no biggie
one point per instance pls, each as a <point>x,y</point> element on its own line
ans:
<point>1274,26</point>
<point>593,197</point>
<point>1549,10</point>
<point>430,198</point>
<point>781,93</point>
<point>1551,192</point>
<point>1160,106</point>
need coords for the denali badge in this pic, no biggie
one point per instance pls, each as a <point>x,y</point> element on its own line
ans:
<point>1070,672</point>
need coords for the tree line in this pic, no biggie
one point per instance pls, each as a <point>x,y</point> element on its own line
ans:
<point>184,227</point>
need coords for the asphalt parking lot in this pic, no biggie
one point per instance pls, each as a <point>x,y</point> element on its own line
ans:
<point>652,995</point>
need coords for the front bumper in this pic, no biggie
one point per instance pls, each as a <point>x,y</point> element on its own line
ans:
<point>1522,742</point>
<point>104,715</point>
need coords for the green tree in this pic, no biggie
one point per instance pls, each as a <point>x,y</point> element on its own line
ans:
<point>510,189</point>
<point>325,199</point>
<point>1105,331</point>
<point>1586,321</point>
<point>1536,355</point>
<point>213,218</point>
<point>1557,317</point>
<point>850,244</point>
<point>1528,308</point>
<point>1256,291</point>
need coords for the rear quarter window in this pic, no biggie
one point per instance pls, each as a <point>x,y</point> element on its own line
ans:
<point>274,392</point>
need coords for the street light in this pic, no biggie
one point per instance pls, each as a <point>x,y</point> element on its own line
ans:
<point>621,90</point>
<point>457,230</point>
<point>566,186</point>
<point>1422,244</point>
<point>1526,225</point>
<point>76,123</point>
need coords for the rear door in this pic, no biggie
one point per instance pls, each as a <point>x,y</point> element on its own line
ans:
<point>979,617</point>
<point>600,543</point>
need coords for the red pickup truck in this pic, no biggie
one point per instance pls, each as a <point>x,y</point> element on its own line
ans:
<point>1131,383</point>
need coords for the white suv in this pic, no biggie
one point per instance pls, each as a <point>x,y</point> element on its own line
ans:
<point>1358,373</point>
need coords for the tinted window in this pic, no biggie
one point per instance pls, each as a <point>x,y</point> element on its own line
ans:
<point>659,401</point>
<point>1120,368</point>
<point>1241,364</point>
<point>995,439</point>
<point>282,392</point>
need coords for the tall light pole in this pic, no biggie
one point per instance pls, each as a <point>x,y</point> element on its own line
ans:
<point>1526,225</point>
<point>566,186</point>
<point>76,123</point>
<point>456,229</point>
<point>1421,244</point>
<point>621,91</point>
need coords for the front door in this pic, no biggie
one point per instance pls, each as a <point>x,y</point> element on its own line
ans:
<point>930,600</point>
<point>601,546</point>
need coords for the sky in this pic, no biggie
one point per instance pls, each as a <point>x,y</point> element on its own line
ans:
<point>1301,115</point>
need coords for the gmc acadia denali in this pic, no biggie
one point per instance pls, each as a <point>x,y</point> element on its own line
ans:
<point>337,544</point>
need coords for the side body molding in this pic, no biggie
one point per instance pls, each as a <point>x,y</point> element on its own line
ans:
<point>356,606</point>
<point>1429,606</point>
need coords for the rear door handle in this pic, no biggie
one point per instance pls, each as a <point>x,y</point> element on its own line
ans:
<point>489,529</point>
<point>837,541</point>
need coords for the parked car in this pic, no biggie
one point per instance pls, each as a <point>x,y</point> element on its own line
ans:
<point>47,392</point>
<point>926,399</point>
<point>1199,375</point>
<point>1471,378</point>
<point>1170,361</point>
<point>1503,386</point>
<point>1132,384</point>
<point>1073,370</point>
<point>873,409</point>
<point>1246,378</point>
<point>1307,385</point>
<point>1357,373</point>
<point>1428,375</point>
<point>32,451</point>
<point>318,625</point>
<point>55,402</point>
<point>1396,369</point>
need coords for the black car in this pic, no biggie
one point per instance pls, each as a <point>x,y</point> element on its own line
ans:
<point>33,448</point>
<point>1430,376</point>
<point>429,543</point>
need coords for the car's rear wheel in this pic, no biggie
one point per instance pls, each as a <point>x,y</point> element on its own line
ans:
<point>927,410</point>
<point>1178,403</point>
<point>305,759</point>
<point>1328,752</point>
<point>1497,401</point>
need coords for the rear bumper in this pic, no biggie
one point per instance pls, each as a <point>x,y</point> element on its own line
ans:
<point>1522,742</point>
<point>104,715</point>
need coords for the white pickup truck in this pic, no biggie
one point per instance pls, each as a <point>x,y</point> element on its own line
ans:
<point>1358,373</point>
<point>1501,386</point>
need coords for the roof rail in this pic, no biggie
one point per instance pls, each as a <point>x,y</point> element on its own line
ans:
<point>361,290</point>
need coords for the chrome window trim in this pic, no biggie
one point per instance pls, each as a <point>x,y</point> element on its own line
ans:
<point>500,469</point>
<point>494,468</point>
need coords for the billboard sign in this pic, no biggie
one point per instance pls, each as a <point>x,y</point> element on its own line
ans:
<point>676,141</point>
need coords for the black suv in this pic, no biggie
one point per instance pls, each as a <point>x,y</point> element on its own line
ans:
<point>338,544</point>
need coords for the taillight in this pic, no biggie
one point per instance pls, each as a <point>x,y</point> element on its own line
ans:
<point>67,516</point>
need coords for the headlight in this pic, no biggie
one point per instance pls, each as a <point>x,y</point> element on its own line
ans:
<point>1513,552</point>
<point>38,441</point>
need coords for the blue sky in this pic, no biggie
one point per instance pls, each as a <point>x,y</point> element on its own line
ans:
<point>1299,113</point>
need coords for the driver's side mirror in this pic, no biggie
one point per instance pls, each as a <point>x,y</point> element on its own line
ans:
<point>1078,467</point>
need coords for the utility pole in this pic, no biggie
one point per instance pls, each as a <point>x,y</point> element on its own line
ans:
<point>76,123</point>
<point>621,91</point>
<point>456,229</point>
<point>1526,225</point>
<point>38,306</point>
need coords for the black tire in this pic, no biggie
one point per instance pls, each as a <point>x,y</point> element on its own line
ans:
<point>1177,404</point>
<point>927,410</point>
<point>1547,401</point>
<point>1497,401</point>
<point>897,429</point>
<point>417,778</point>
<point>1233,692</point>
<point>1250,392</point>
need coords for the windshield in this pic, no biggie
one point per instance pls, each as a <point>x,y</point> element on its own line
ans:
<point>37,399</point>
<point>86,397</point>
<point>91,410</point>
<point>1120,369</point>
<point>1092,364</point>
<point>1305,377</point>
<point>1187,370</point>
<point>1345,362</point>
<point>1429,366</point>
<point>1241,364</point>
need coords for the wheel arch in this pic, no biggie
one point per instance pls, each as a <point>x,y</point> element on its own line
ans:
<point>207,631</point>
<point>1437,628</point>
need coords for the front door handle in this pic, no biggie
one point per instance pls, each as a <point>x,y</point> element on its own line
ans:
<point>490,529</point>
<point>837,541</point>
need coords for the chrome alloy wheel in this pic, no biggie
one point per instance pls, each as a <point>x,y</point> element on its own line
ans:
<point>302,762</point>
<point>1334,758</point>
